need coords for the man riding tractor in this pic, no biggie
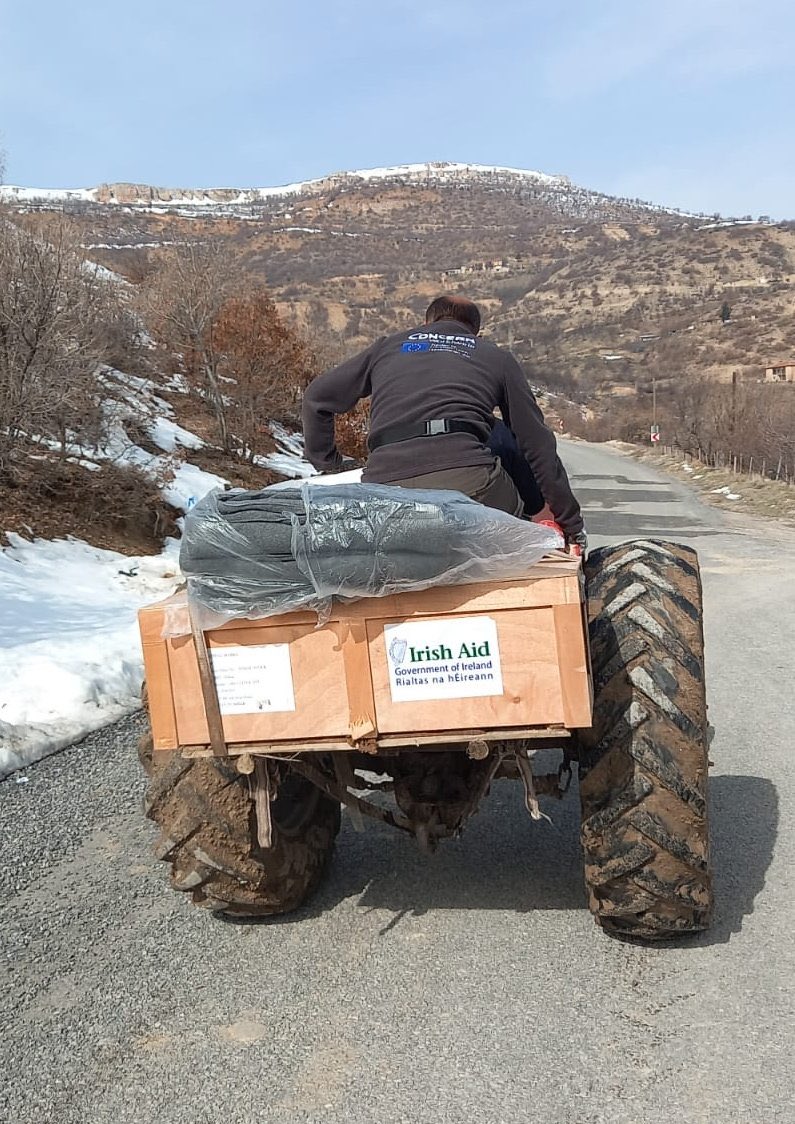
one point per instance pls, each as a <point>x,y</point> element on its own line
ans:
<point>433,393</point>
<point>248,797</point>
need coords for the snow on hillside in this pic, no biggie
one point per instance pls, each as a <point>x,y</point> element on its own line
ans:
<point>444,168</point>
<point>413,172</point>
<point>70,658</point>
<point>13,194</point>
<point>70,655</point>
<point>289,459</point>
<point>556,191</point>
<point>132,399</point>
<point>206,197</point>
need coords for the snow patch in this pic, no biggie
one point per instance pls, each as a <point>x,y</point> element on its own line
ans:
<point>443,169</point>
<point>105,274</point>
<point>732,222</point>
<point>135,399</point>
<point>203,200</point>
<point>289,459</point>
<point>352,477</point>
<point>129,245</point>
<point>189,484</point>
<point>47,194</point>
<point>70,659</point>
<point>167,435</point>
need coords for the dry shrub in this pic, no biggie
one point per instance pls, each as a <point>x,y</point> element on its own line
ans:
<point>711,420</point>
<point>128,500</point>
<point>266,365</point>
<point>240,473</point>
<point>116,507</point>
<point>351,431</point>
<point>241,358</point>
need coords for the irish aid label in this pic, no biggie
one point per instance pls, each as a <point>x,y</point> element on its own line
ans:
<point>451,658</point>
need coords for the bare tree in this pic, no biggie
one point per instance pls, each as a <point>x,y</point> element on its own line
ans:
<point>53,308</point>
<point>181,301</point>
<point>267,364</point>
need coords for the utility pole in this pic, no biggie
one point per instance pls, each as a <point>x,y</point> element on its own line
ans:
<point>654,433</point>
<point>734,402</point>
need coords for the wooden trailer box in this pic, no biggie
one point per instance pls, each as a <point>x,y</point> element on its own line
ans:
<point>503,658</point>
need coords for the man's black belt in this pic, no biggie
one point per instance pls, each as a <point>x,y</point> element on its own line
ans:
<point>435,428</point>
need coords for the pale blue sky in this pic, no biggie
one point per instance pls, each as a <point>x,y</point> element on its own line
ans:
<point>684,102</point>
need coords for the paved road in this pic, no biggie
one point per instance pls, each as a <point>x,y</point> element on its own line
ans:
<point>472,986</point>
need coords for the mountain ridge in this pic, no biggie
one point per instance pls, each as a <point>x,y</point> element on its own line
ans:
<point>595,293</point>
<point>428,174</point>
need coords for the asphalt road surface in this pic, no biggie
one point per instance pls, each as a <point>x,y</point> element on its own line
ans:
<point>471,986</point>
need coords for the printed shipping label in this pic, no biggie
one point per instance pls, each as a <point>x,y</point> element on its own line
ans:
<point>451,658</point>
<point>253,678</point>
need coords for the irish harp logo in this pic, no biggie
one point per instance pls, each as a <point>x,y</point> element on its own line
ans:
<point>397,650</point>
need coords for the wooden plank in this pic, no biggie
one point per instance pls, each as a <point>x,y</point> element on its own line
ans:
<point>535,593</point>
<point>572,661</point>
<point>212,709</point>
<point>282,748</point>
<point>158,681</point>
<point>358,678</point>
<point>550,582</point>
<point>440,739</point>
<point>407,741</point>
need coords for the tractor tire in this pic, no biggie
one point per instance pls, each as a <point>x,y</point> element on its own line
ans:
<point>208,834</point>
<point>643,764</point>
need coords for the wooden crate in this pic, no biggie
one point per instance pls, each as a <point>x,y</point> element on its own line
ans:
<point>503,658</point>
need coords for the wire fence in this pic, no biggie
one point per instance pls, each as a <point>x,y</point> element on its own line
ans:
<point>755,468</point>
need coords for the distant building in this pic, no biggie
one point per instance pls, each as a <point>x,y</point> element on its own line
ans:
<point>780,372</point>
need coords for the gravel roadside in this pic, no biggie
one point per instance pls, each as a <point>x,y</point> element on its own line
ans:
<point>62,799</point>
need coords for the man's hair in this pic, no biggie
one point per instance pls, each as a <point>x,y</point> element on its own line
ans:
<point>454,308</point>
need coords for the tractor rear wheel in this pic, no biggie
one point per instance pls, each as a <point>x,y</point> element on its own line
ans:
<point>643,764</point>
<point>208,834</point>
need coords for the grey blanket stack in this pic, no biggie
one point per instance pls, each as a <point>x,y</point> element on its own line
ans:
<point>254,554</point>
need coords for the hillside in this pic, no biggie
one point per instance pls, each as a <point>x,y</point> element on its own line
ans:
<point>601,298</point>
<point>606,292</point>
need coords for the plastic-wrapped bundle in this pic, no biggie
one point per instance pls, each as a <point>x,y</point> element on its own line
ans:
<point>255,554</point>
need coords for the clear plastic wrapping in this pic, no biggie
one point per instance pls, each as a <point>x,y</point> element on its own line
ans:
<point>255,554</point>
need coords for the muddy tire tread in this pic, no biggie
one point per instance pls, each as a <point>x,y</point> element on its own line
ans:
<point>643,765</point>
<point>207,822</point>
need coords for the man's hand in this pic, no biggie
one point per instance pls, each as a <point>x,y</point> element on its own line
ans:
<point>577,544</point>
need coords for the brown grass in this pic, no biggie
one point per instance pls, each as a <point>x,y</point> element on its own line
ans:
<point>114,507</point>
<point>770,498</point>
